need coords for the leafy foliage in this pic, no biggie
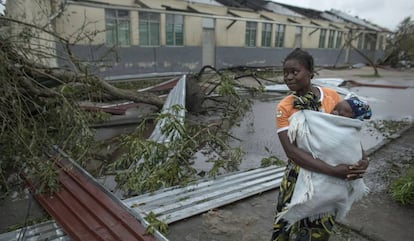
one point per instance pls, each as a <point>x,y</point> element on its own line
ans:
<point>401,43</point>
<point>155,224</point>
<point>147,165</point>
<point>33,118</point>
<point>402,189</point>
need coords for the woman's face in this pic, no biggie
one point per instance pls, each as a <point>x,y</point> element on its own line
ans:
<point>296,76</point>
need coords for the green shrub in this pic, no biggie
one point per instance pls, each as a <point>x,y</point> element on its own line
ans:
<point>402,189</point>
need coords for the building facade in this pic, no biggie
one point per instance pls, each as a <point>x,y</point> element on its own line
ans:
<point>134,37</point>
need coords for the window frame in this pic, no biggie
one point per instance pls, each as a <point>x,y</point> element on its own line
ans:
<point>298,36</point>
<point>322,38</point>
<point>146,37</point>
<point>251,34</point>
<point>267,34</point>
<point>115,32</point>
<point>280,35</point>
<point>331,38</point>
<point>339,38</point>
<point>176,27</point>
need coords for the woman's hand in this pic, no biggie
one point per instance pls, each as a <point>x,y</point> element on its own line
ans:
<point>351,172</point>
<point>361,165</point>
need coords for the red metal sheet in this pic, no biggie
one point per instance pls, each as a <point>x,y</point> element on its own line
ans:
<point>118,109</point>
<point>86,212</point>
<point>167,85</point>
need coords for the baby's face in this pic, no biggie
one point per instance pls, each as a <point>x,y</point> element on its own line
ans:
<point>343,109</point>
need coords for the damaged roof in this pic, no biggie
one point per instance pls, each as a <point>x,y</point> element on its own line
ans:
<point>252,4</point>
<point>355,20</point>
<point>306,12</point>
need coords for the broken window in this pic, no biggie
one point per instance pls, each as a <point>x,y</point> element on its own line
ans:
<point>117,27</point>
<point>149,29</point>
<point>266,34</point>
<point>174,30</point>
<point>280,35</point>
<point>251,29</point>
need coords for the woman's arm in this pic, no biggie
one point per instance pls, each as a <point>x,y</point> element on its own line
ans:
<point>360,165</point>
<point>305,160</point>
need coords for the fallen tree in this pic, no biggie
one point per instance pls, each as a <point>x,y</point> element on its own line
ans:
<point>39,108</point>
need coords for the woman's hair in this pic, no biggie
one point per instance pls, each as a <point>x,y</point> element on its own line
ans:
<point>303,57</point>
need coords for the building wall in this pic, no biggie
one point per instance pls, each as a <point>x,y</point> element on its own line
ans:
<point>193,31</point>
<point>37,45</point>
<point>135,60</point>
<point>78,22</point>
<point>229,33</point>
<point>229,43</point>
<point>240,56</point>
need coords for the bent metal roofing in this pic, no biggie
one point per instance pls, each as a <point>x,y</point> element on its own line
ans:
<point>86,212</point>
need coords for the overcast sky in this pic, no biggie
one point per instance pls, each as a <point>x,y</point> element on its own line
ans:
<point>385,13</point>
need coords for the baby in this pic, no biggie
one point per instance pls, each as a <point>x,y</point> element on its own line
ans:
<point>353,108</point>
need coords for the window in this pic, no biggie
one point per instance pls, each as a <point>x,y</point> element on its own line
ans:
<point>174,30</point>
<point>322,38</point>
<point>338,40</point>
<point>369,41</point>
<point>117,27</point>
<point>381,42</point>
<point>298,37</point>
<point>266,34</point>
<point>331,38</point>
<point>149,29</point>
<point>360,41</point>
<point>280,35</point>
<point>251,29</point>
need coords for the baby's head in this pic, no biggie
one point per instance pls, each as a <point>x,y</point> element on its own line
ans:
<point>353,108</point>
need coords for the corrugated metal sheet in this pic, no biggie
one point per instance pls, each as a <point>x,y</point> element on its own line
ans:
<point>175,97</point>
<point>173,204</point>
<point>354,20</point>
<point>177,203</point>
<point>45,231</point>
<point>83,210</point>
<point>86,212</point>
<point>277,8</point>
<point>209,2</point>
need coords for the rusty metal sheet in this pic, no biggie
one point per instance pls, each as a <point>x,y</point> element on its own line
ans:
<point>85,212</point>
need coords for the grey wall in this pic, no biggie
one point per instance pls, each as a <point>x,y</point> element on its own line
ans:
<point>328,57</point>
<point>136,60</point>
<point>241,56</point>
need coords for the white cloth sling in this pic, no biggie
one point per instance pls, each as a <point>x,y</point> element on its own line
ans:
<point>335,140</point>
